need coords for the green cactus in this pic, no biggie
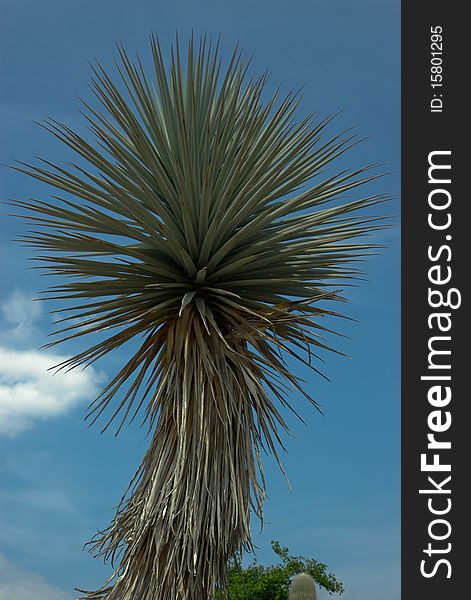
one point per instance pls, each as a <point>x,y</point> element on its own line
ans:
<point>302,587</point>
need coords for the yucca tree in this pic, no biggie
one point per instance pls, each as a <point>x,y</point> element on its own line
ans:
<point>208,225</point>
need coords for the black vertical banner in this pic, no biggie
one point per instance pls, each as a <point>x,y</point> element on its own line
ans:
<point>436,356</point>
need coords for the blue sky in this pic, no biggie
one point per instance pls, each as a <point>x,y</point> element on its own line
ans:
<point>60,479</point>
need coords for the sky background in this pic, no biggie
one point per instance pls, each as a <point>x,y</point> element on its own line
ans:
<point>60,480</point>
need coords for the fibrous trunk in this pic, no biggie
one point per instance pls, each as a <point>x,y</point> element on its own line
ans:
<point>188,507</point>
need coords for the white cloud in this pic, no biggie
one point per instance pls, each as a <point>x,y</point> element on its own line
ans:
<point>20,313</point>
<point>28,391</point>
<point>19,584</point>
